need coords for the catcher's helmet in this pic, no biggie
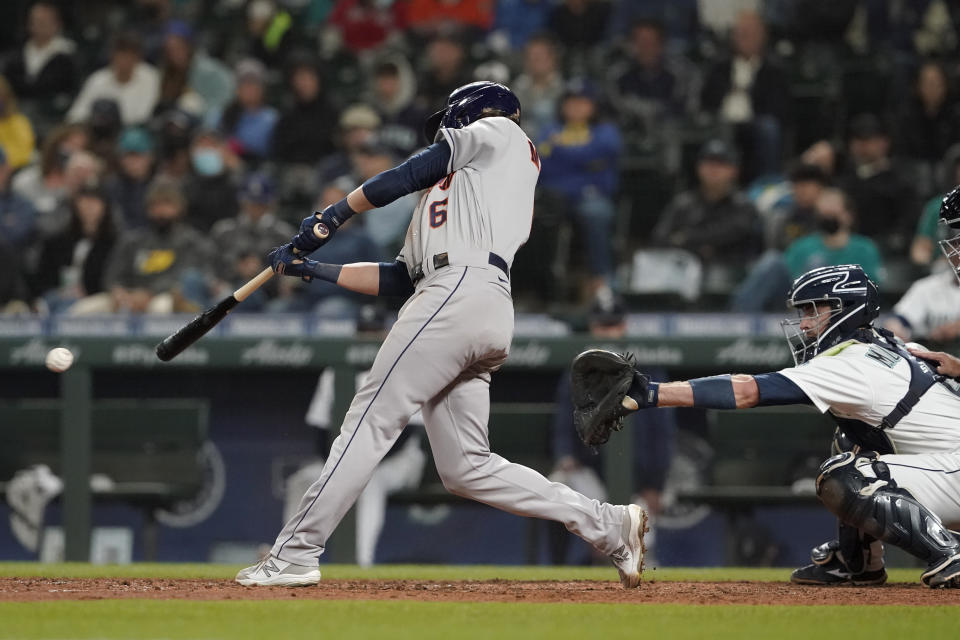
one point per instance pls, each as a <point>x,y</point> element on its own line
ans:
<point>471,102</point>
<point>853,300</point>
<point>950,216</point>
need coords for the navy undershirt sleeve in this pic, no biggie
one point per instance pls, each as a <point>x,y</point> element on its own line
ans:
<point>394,280</point>
<point>419,172</point>
<point>777,389</point>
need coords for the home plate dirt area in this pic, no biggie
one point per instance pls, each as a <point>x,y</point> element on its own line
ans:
<point>585,591</point>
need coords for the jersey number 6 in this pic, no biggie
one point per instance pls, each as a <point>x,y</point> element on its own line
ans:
<point>438,213</point>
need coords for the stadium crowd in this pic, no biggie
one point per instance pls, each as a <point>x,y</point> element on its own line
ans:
<point>152,152</point>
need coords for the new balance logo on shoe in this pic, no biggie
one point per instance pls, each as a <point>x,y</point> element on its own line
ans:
<point>268,566</point>
<point>620,555</point>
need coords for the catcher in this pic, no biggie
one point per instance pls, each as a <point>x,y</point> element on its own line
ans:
<point>896,475</point>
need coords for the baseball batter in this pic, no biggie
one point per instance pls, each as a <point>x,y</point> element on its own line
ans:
<point>456,327</point>
<point>896,477</point>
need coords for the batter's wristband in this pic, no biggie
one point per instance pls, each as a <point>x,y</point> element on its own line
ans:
<point>337,213</point>
<point>714,392</point>
<point>327,272</point>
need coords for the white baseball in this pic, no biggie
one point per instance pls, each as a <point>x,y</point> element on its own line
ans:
<point>59,359</point>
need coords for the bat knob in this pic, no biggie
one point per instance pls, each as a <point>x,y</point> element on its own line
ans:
<point>320,230</point>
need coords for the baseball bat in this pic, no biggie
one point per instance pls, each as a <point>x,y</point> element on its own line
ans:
<point>174,344</point>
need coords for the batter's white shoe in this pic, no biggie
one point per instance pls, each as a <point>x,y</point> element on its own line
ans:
<point>628,558</point>
<point>274,572</point>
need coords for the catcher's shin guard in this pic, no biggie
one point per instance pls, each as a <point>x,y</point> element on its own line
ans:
<point>858,489</point>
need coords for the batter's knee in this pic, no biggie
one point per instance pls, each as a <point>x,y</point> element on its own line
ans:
<point>462,478</point>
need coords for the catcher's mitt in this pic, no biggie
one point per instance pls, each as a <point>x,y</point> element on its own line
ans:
<point>599,381</point>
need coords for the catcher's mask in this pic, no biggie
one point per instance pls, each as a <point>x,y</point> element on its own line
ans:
<point>831,304</point>
<point>471,102</point>
<point>950,218</point>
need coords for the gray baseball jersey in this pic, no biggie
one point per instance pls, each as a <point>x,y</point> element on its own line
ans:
<point>450,335</point>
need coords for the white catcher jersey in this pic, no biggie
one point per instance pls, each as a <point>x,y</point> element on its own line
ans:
<point>930,302</point>
<point>864,382</point>
<point>485,203</point>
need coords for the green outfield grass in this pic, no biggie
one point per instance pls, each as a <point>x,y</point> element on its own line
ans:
<point>346,620</point>
<point>349,620</point>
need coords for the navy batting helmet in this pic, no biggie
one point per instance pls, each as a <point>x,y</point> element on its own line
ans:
<point>852,300</point>
<point>471,102</point>
<point>950,216</point>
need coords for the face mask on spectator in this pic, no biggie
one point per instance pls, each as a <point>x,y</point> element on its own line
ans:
<point>828,226</point>
<point>207,162</point>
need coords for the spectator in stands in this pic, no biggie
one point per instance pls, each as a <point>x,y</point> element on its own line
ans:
<point>446,69</point>
<point>270,33</point>
<point>177,129</point>
<point>516,21</point>
<point>248,122</point>
<point>364,25</point>
<point>185,68</point>
<point>358,125</point>
<point>579,24</point>
<point>44,70</point>
<point>927,124</point>
<point>469,16</point>
<point>580,158</point>
<point>929,121</point>
<point>150,267</point>
<point>304,132</point>
<point>82,169</point>
<point>578,466</point>
<point>392,94</point>
<point>148,19</point>
<point>540,85</point>
<point>646,85</point>
<point>128,186</point>
<point>104,125</point>
<point>17,217</point>
<point>210,188</point>
<point>680,19</point>
<point>834,243</point>
<point>923,247</point>
<point>883,196</point>
<point>247,238</point>
<point>73,261</point>
<point>749,92</point>
<point>131,82</point>
<point>798,216</point>
<point>715,221</point>
<point>16,134</point>
<point>930,309</point>
<point>44,184</point>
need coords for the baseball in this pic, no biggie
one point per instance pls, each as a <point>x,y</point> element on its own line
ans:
<point>59,359</point>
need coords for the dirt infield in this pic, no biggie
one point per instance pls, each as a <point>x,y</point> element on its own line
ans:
<point>650,592</point>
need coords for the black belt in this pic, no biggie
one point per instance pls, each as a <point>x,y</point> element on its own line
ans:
<point>443,260</point>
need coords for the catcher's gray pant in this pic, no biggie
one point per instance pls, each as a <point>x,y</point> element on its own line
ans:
<point>450,334</point>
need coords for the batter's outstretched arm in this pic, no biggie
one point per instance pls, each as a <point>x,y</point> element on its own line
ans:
<point>370,278</point>
<point>419,172</point>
